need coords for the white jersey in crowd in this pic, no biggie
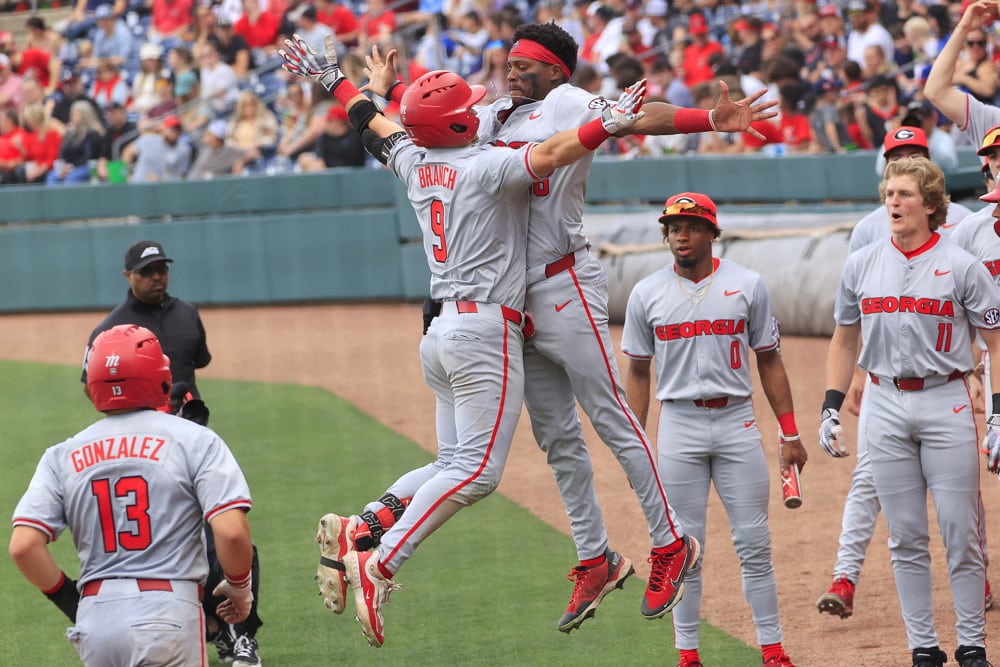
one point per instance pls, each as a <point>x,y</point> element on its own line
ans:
<point>905,302</point>
<point>875,226</point>
<point>555,225</point>
<point>689,335</point>
<point>470,204</point>
<point>134,490</point>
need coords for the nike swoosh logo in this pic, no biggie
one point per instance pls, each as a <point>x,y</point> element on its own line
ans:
<point>938,272</point>
<point>731,292</point>
<point>535,116</point>
<point>949,226</point>
<point>959,408</point>
<point>749,423</point>
<point>563,305</point>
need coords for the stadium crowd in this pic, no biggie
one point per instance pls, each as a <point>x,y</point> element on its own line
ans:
<point>146,90</point>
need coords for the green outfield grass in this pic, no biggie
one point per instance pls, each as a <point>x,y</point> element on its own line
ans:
<point>486,589</point>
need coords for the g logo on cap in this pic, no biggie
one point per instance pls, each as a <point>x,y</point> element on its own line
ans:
<point>903,134</point>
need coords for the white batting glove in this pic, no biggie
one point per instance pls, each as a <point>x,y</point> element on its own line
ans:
<point>625,113</point>
<point>991,444</point>
<point>301,60</point>
<point>239,597</point>
<point>831,433</point>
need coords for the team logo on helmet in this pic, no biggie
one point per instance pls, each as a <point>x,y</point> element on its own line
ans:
<point>684,200</point>
<point>903,134</point>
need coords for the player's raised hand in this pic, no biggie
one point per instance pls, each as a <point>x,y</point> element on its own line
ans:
<point>381,72</point>
<point>991,444</point>
<point>301,60</point>
<point>239,598</point>
<point>625,112</point>
<point>730,116</point>
<point>831,434</point>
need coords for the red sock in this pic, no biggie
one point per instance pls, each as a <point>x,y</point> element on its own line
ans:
<point>591,562</point>
<point>769,651</point>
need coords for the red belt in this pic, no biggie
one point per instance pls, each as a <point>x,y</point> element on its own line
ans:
<point>509,314</point>
<point>916,384</point>
<point>94,587</point>
<point>709,403</point>
<point>564,263</point>
<point>712,402</point>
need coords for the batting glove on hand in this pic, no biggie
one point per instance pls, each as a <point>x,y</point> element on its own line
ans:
<point>991,444</point>
<point>239,597</point>
<point>300,59</point>
<point>625,113</point>
<point>831,434</point>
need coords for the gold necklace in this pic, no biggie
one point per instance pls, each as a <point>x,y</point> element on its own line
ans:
<point>695,296</point>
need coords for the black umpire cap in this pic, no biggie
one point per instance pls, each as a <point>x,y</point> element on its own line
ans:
<point>143,253</point>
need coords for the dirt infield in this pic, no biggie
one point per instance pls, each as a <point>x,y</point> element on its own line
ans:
<point>367,354</point>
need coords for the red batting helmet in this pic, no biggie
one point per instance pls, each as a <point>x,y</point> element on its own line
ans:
<point>690,204</point>
<point>436,111</point>
<point>126,368</point>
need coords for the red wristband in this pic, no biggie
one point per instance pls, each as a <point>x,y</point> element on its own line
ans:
<point>690,121</point>
<point>344,92</point>
<point>396,91</point>
<point>787,424</point>
<point>241,581</point>
<point>592,134</point>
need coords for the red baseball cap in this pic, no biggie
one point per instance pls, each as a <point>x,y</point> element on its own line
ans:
<point>905,136</point>
<point>171,121</point>
<point>829,10</point>
<point>697,24</point>
<point>690,204</point>
<point>990,140</point>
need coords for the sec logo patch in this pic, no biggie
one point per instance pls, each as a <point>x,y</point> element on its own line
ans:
<point>597,103</point>
<point>992,316</point>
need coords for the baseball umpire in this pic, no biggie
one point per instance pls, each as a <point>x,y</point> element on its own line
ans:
<point>134,489</point>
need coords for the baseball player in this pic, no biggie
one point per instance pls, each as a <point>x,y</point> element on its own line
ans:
<point>471,204</point>
<point>972,117</point>
<point>861,507</point>
<point>133,489</point>
<point>912,297</point>
<point>570,357</point>
<point>177,325</point>
<point>700,318</point>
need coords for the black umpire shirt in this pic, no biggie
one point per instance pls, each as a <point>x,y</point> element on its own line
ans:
<point>175,322</point>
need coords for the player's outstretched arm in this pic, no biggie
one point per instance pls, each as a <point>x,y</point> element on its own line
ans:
<point>569,146</point>
<point>727,116</point>
<point>939,88</point>
<point>774,381</point>
<point>300,59</point>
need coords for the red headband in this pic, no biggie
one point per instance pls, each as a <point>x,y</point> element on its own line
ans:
<point>527,48</point>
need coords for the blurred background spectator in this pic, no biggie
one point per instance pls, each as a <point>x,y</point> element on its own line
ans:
<point>119,134</point>
<point>11,86</point>
<point>42,142</point>
<point>253,127</point>
<point>81,146</point>
<point>338,146</point>
<point>216,157</point>
<point>160,155</point>
<point>109,85</point>
<point>144,95</point>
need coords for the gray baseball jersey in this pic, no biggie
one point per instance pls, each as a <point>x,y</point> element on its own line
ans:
<point>701,345</point>
<point>134,490</point>
<point>556,222</point>
<point>915,310</point>
<point>571,356</point>
<point>979,118</point>
<point>700,335</point>
<point>875,226</point>
<point>470,204</point>
<point>906,302</point>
